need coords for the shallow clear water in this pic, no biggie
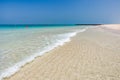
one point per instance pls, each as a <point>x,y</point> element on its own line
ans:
<point>18,46</point>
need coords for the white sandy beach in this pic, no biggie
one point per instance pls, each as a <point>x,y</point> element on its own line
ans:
<point>112,26</point>
<point>91,55</point>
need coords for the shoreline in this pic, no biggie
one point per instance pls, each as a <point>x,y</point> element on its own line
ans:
<point>54,55</point>
<point>14,69</point>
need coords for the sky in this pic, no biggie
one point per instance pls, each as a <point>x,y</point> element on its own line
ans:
<point>59,11</point>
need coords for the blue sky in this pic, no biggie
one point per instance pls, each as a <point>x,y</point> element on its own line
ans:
<point>59,11</point>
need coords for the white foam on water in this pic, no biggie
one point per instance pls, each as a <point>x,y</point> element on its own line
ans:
<point>65,38</point>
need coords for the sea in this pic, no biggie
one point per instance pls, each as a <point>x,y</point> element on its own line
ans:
<point>22,44</point>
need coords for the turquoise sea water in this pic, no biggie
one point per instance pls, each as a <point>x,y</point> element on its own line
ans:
<point>19,45</point>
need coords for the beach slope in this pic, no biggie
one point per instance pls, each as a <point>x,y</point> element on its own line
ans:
<point>91,55</point>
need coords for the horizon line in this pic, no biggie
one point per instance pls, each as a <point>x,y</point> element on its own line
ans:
<point>47,24</point>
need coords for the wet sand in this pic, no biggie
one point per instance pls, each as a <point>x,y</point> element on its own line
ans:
<point>91,55</point>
